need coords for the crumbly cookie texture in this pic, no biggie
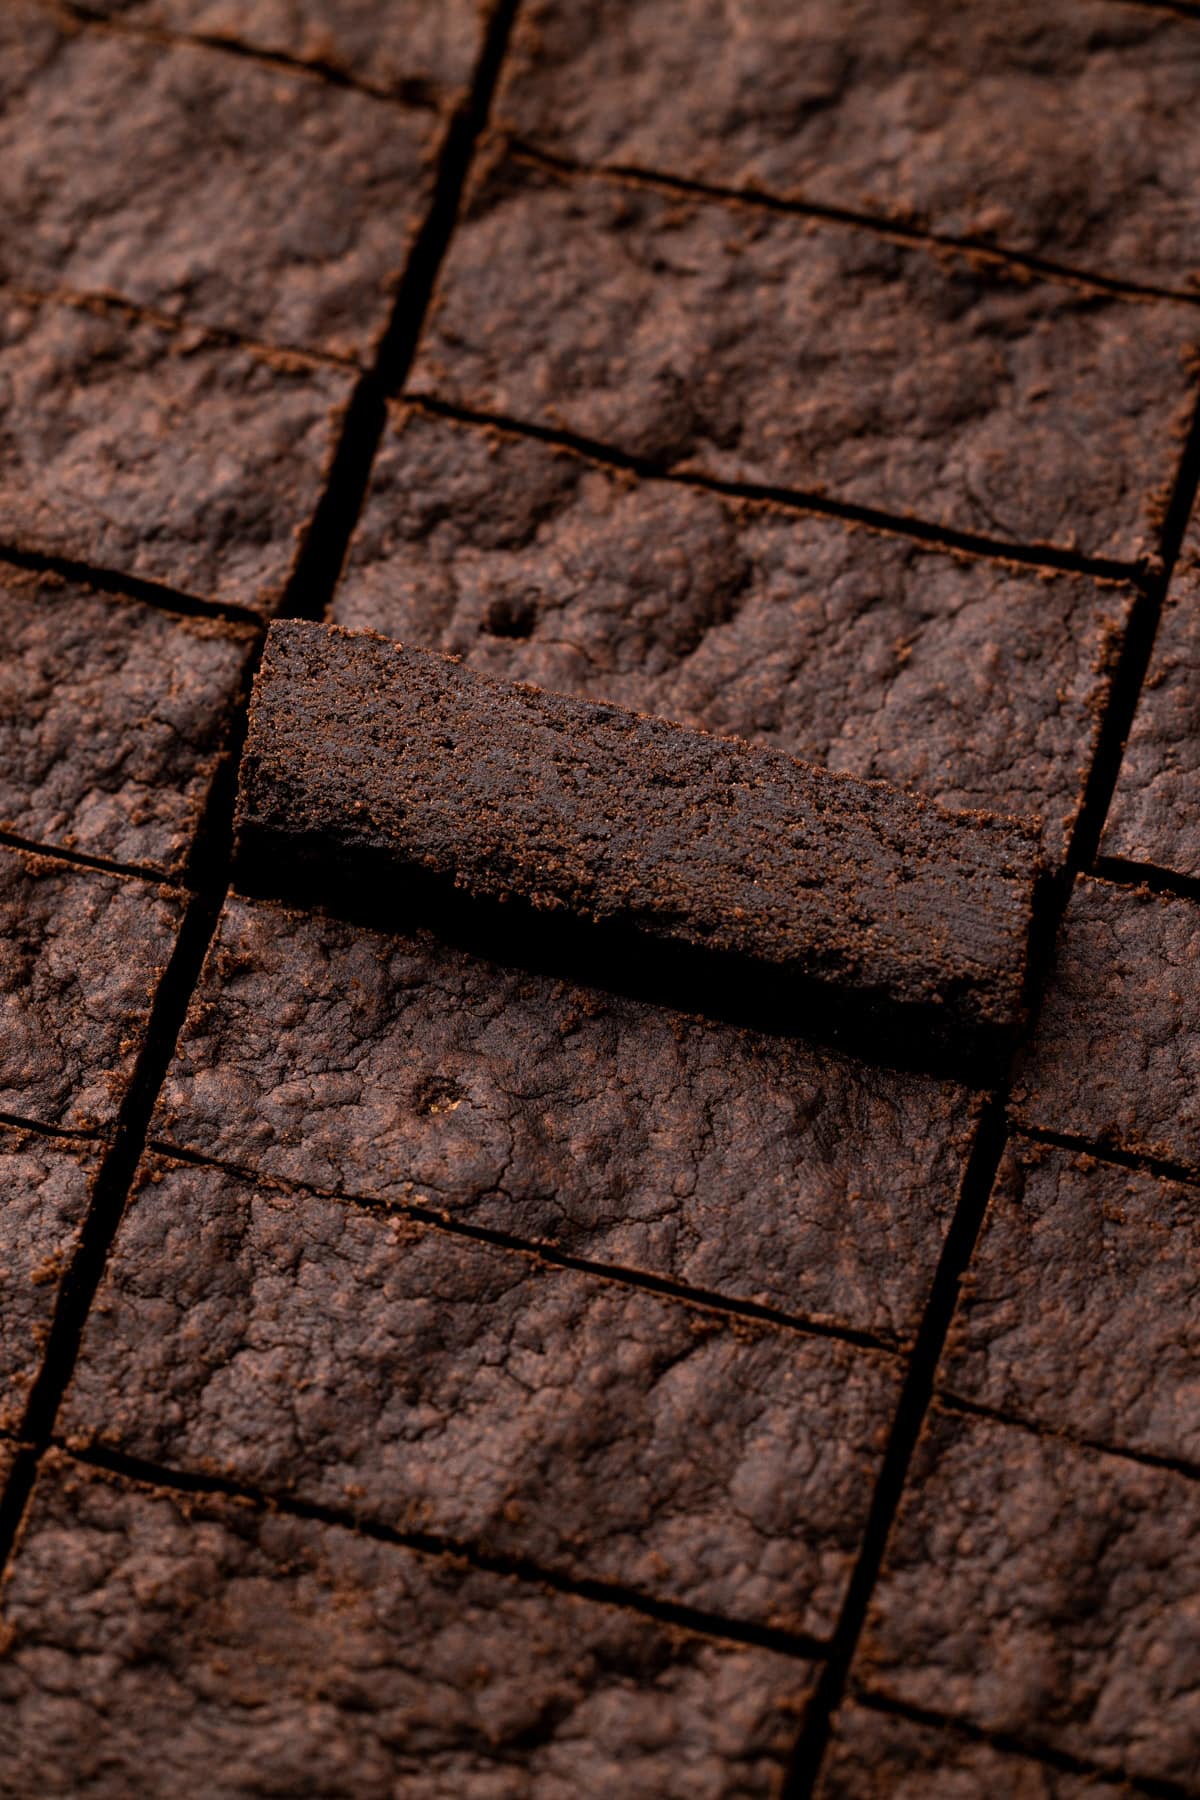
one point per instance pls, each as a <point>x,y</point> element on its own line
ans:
<point>225,1648</point>
<point>760,346</point>
<point>81,955</point>
<point>975,682</point>
<point>398,1067</point>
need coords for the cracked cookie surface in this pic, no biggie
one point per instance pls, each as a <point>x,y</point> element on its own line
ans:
<point>1047,1592</point>
<point>1062,128</point>
<point>273,204</point>
<point>1079,1310</point>
<point>1115,1056</point>
<point>389,48</point>
<point>46,1186</point>
<point>81,955</point>
<point>164,454</point>
<point>975,683</point>
<point>113,716</point>
<point>1153,816</point>
<point>484,1396</point>
<point>757,347</point>
<point>401,1068</point>
<point>161,1642</point>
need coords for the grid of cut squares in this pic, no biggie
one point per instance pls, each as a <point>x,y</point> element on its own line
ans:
<point>598,1238</point>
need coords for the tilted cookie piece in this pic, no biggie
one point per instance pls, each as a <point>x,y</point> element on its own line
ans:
<point>395,780</point>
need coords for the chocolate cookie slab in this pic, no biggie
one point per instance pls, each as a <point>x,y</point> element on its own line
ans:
<point>113,718</point>
<point>400,1068</point>
<point>371,767</point>
<point>757,346</point>
<point>164,1642</point>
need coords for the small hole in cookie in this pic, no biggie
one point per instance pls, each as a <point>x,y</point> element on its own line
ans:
<point>509,618</point>
<point>437,1095</point>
